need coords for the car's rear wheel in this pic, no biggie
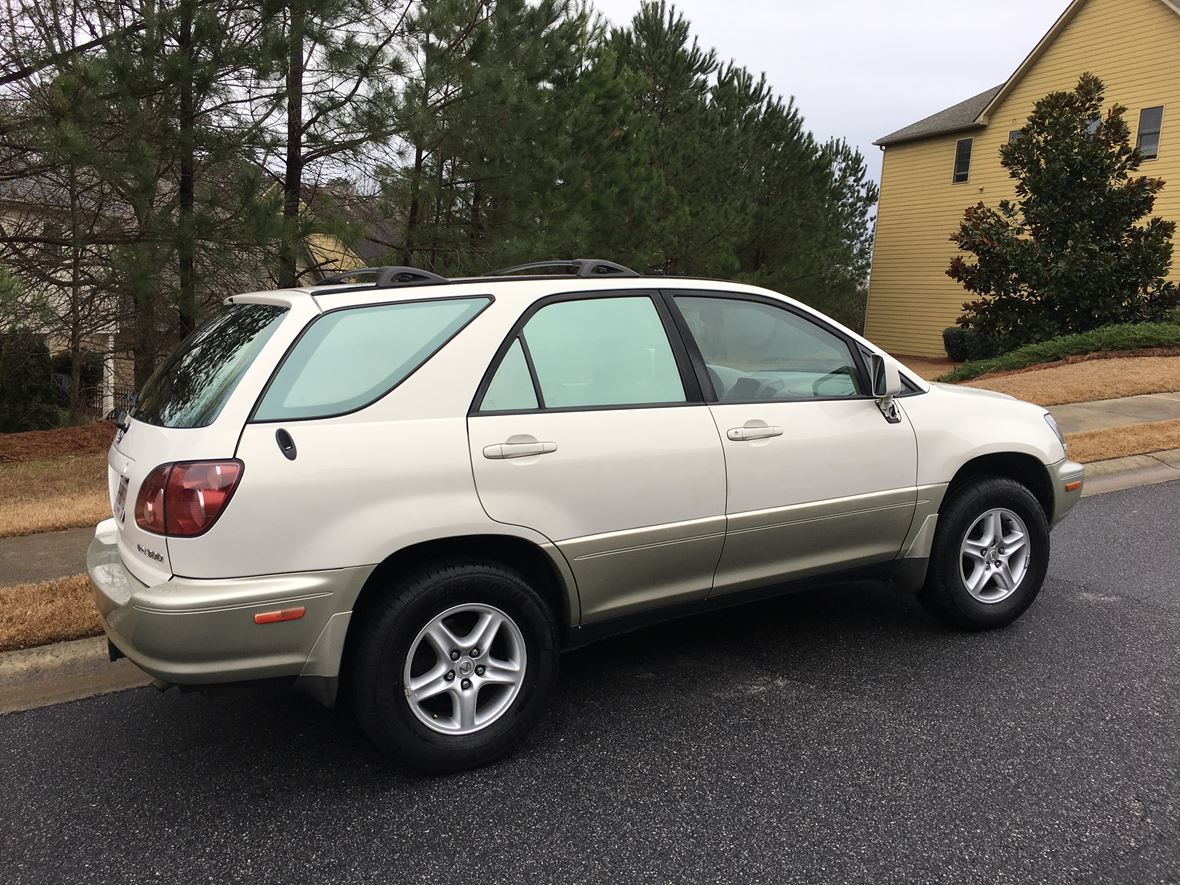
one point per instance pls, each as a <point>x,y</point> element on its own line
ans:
<point>451,668</point>
<point>990,555</point>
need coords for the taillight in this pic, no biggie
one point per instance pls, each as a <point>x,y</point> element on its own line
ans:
<point>185,499</point>
<point>149,506</point>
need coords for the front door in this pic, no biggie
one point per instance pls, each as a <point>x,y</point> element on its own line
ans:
<point>591,430</point>
<point>818,480</point>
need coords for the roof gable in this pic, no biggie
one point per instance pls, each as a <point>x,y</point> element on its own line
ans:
<point>953,119</point>
<point>974,112</point>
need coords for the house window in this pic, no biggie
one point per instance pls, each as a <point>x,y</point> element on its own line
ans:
<point>51,235</point>
<point>1150,123</point>
<point>962,160</point>
<point>1014,136</point>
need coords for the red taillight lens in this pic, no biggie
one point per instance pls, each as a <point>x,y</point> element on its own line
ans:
<point>149,505</point>
<point>197,493</point>
<point>185,499</point>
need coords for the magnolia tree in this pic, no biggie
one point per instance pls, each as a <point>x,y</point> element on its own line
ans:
<point>1073,251</point>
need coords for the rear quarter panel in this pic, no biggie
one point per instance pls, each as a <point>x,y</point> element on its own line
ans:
<point>362,485</point>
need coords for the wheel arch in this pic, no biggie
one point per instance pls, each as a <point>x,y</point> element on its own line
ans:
<point>545,570</point>
<point>1023,468</point>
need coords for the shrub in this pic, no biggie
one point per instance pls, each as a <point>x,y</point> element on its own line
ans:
<point>28,396</point>
<point>954,342</point>
<point>970,344</point>
<point>1123,337</point>
<point>91,367</point>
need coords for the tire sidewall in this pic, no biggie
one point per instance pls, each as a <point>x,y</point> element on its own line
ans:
<point>966,507</point>
<point>393,725</point>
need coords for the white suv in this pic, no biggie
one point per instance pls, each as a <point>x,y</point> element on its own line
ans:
<point>416,491</point>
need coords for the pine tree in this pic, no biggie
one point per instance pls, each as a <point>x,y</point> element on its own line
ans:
<point>334,67</point>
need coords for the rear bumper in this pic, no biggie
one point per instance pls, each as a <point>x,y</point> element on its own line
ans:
<point>197,632</point>
<point>1067,478</point>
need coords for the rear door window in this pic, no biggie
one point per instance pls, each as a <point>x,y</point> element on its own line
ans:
<point>588,353</point>
<point>350,358</point>
<point>195,382</point>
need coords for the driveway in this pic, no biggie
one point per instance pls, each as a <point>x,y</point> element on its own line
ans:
<point>838,735</point>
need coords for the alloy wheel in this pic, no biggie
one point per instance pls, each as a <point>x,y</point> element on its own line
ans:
<point>464,669</point>
<point>994,555</point>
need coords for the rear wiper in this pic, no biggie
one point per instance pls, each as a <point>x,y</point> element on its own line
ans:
<point>123,416</point>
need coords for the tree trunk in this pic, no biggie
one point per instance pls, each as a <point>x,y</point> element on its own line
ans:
<point>75,303</point>
<point>415,209</point>
<point>475,235</point>
<point>186,245</point>
<point>438,214</point>
<point>293,174</point>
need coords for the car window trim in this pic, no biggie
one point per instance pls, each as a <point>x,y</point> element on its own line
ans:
<point>701,367</point>
<point>489,299</point>
<point>693,395</point>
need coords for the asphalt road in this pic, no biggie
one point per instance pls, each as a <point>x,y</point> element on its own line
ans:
<point>838,735</point>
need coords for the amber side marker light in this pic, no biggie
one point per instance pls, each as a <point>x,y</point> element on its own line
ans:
<point>1073,486</point>
<point>287,614</point>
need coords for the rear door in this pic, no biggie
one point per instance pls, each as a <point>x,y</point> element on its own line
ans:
<point>192,409</point>
<point>818,480</point>
<point>590,429</point>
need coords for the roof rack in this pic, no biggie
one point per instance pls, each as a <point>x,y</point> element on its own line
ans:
<point>582,267</point>
<point>386,277</point>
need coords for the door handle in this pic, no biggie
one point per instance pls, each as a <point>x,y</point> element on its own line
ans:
<point>501,451</point>
<point>745,434</point>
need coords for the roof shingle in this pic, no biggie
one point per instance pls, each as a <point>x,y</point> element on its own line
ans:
<point>953,119</point>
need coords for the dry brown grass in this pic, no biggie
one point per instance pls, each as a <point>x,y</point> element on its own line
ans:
<point>45,496</point>
<point>1118,442</point>
<point>1090,380</point>
<point>52,611</point>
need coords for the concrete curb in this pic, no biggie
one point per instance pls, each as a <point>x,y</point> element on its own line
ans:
<point>65,671</point>
<point>1119,474</point>
<point>70,671</point>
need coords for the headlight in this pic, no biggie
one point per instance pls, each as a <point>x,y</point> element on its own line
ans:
<point>1057,431</point>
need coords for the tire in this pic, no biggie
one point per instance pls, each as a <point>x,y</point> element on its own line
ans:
<point>395,649</point>
<point>967,554</point>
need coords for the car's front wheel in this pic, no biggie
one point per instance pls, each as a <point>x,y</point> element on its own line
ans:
<point>990,555</point>
<point>452,667</point>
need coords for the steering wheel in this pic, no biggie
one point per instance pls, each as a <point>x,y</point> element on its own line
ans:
<point>843,370</point>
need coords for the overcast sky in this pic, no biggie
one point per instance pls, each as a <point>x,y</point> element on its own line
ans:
<point>860,69</point>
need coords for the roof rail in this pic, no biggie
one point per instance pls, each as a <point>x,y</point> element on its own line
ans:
<point>386,277</point>
<point>582,267</point>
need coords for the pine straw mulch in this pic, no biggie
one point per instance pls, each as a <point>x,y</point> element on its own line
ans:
<point>1081,358</point>
<point>39,445</point>
<point>1089,380</point>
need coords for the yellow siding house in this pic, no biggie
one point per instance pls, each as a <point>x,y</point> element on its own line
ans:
<point>937,167</point>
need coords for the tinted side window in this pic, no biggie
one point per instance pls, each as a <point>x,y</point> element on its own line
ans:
<point>512,386</point>
<point>350,358</point>
<point>757,351</point>
<point>592,352</point>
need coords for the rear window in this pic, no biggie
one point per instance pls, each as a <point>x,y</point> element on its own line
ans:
<point>196,381</point>
<point>350,358</point>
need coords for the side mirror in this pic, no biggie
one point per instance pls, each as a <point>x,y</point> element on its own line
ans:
<point>885,377</point>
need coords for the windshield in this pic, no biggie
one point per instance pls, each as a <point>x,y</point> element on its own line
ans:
<point>193,384</point>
